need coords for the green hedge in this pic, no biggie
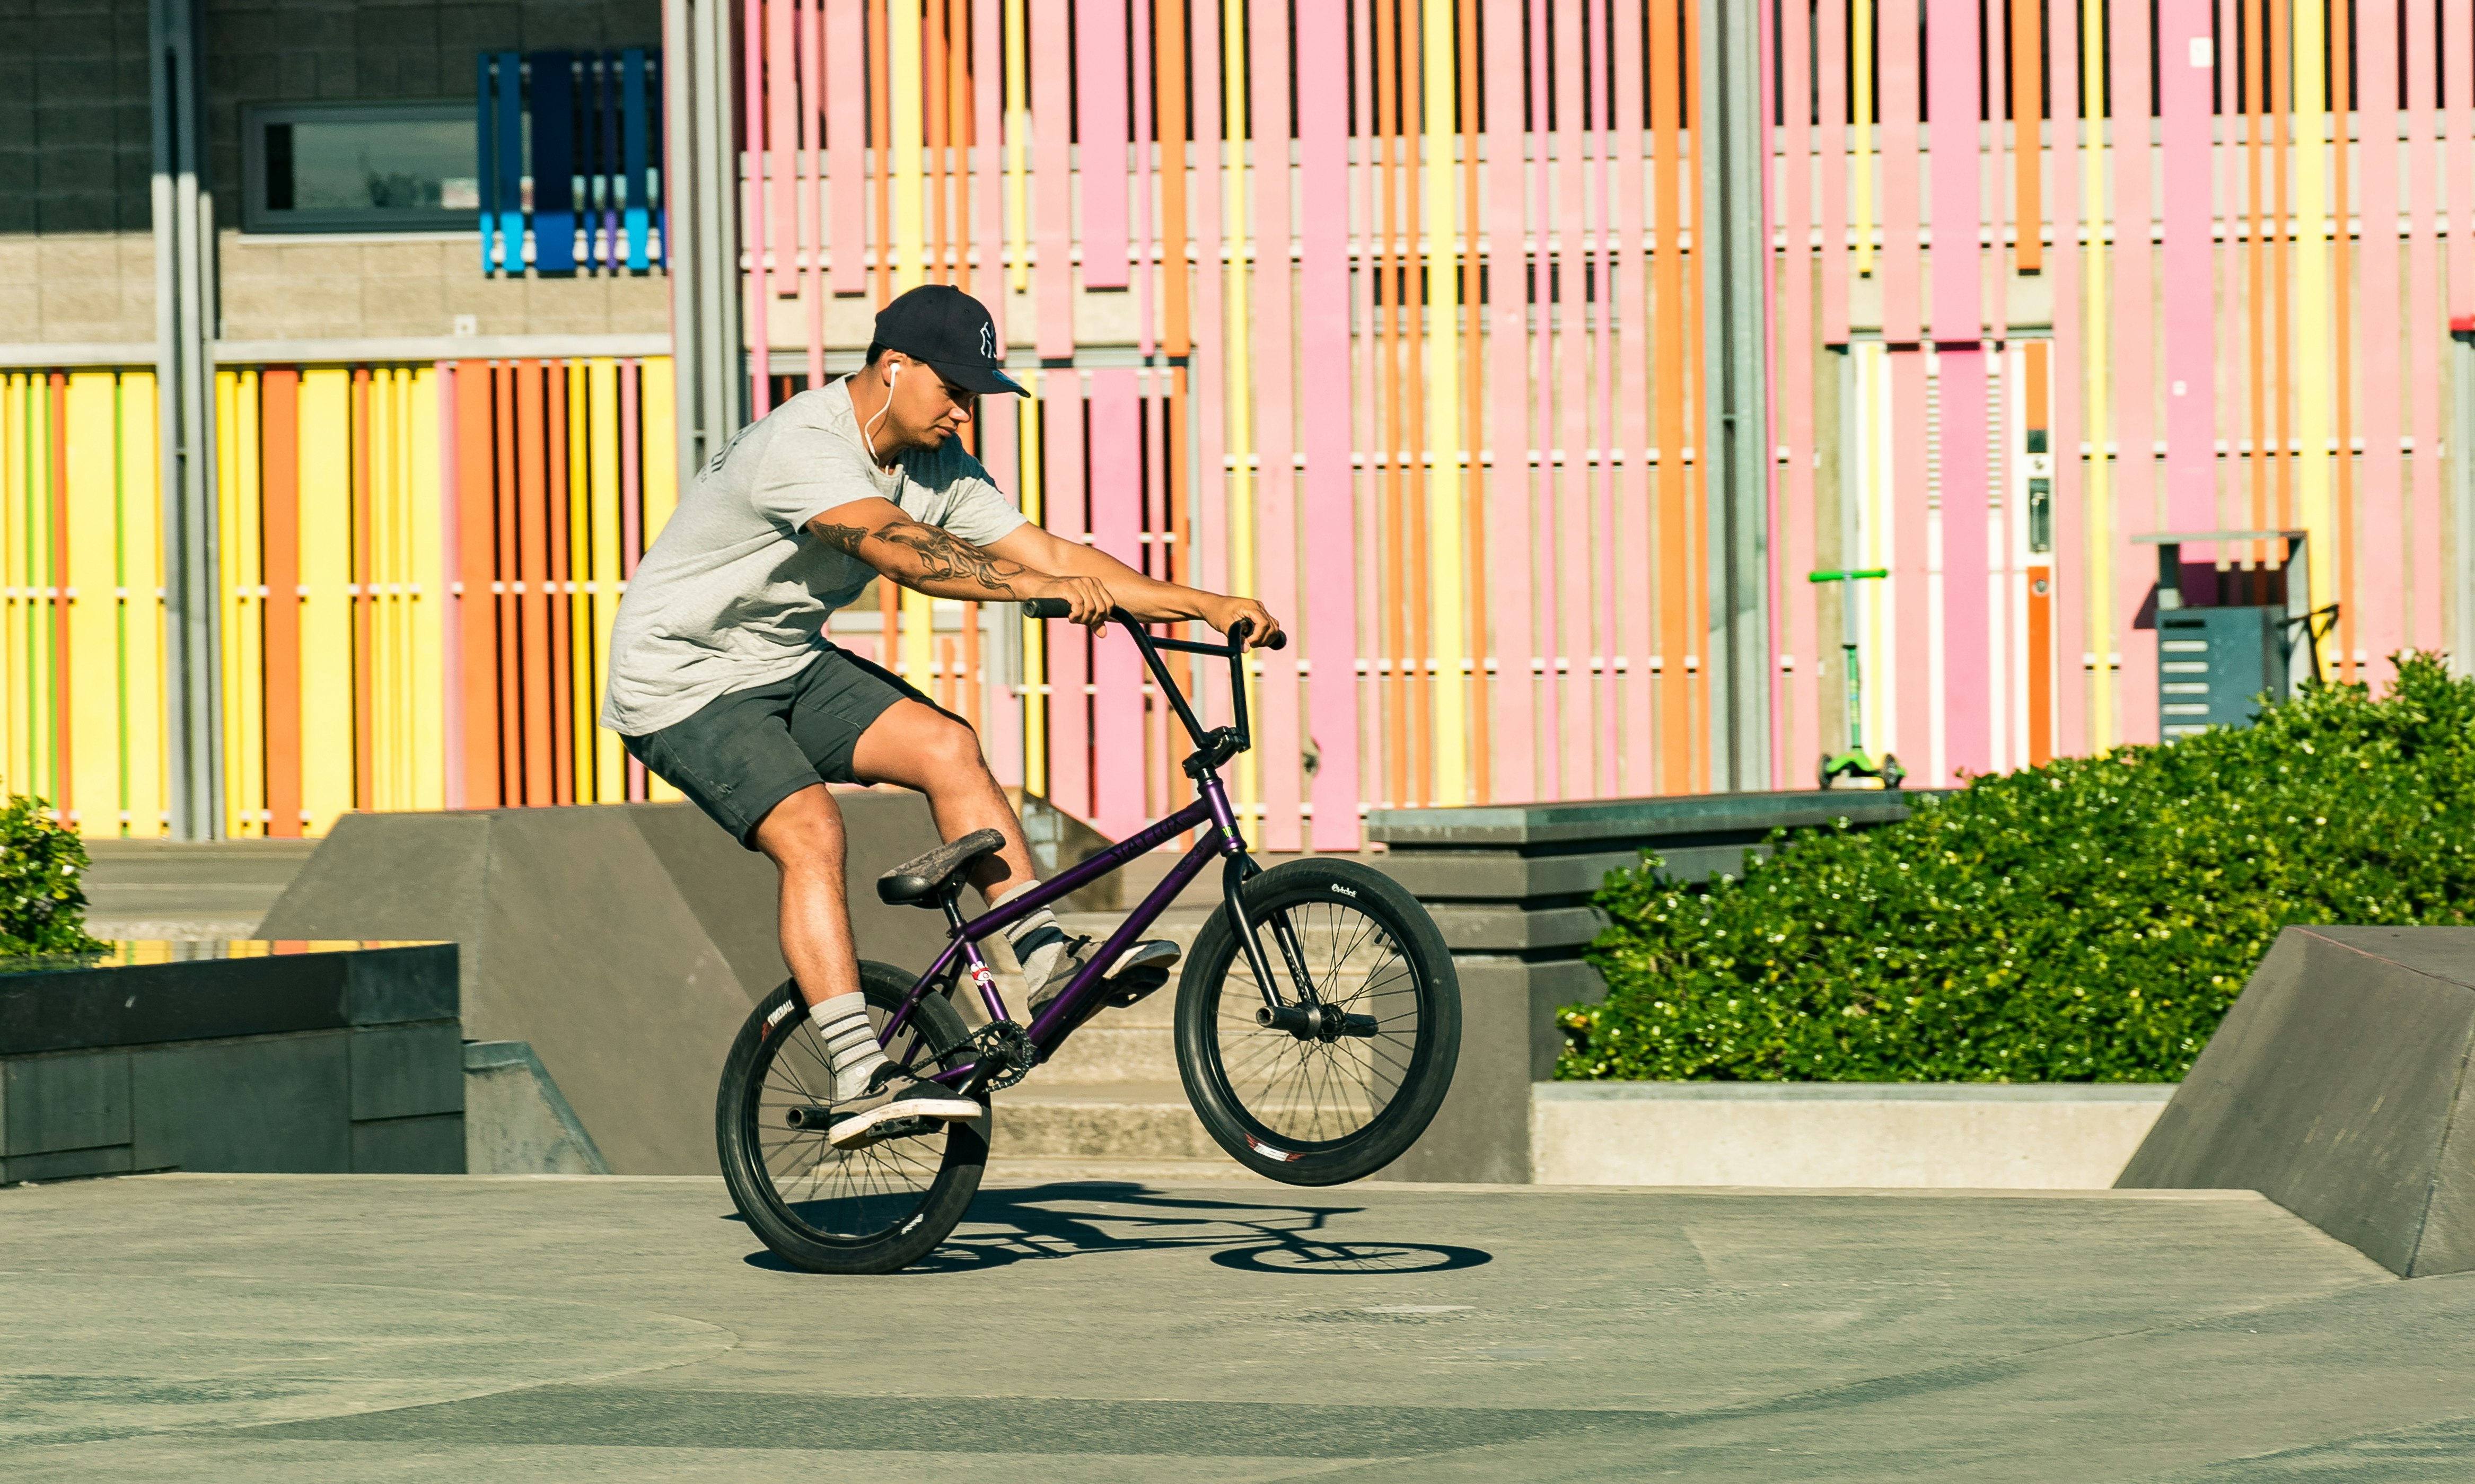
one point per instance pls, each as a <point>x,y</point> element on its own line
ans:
<point>42,904</point>
<point>2086,921</point>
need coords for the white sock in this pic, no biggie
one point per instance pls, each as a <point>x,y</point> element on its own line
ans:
<point>850,1044</point>
<point>1038,941</point>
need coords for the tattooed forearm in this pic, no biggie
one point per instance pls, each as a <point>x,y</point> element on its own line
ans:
<point>934,556</point>
<point>845,539</point>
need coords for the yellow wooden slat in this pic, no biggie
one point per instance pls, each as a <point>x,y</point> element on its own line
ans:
<point>389,742</point>
<point>656,411</point>
<point>579,551</point>
<point>139,561</point>
<point>609,759</point>
<point>1035,632</point>
<point>42,770</point>
<point>426,562</point>
<point>14,697</point>
<point>245,641</point>
<point>902,67</point>
<point>326,604</point>
<point>95,608</point>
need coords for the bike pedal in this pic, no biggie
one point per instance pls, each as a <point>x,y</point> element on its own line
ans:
<point>1133,985</point>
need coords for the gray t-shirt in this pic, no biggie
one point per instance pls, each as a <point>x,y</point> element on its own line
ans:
<point>735,592</point>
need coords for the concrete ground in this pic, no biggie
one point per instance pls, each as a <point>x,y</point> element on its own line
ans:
<point>436,1328</point>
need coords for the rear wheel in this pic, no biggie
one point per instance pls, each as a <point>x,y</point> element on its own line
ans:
<point>1365,1025</point>
<point>831,1210</point>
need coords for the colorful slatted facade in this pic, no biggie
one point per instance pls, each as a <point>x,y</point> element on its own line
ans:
<point>419,566</point>
<point>1391,311</point>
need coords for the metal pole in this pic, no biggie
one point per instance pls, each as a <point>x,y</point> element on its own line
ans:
<point>700,199</point>
<point>184,316</point>
<point>1728,234</point>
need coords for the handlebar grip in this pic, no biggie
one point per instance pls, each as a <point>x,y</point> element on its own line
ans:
<point>1046,608</point>
<point>1280,640</point>
<point>1241,630</point>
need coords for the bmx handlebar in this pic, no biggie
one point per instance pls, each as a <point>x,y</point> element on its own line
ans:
<point>1234,740</point>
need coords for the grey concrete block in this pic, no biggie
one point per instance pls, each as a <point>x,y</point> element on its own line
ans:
<point>406,1070</point>
<point>1677,819</point>
<point>1502,875</point>
<point>399,985</point>
<point>2336,1087</point>
<point>409,1146</point>
<point>79,1100</point>
<point>1515,927</point>
<point>67,1164</point>
<point>274,1103</point>
<point>516,1121</point>
<point>625,942</point>
<point>1482,1133</point>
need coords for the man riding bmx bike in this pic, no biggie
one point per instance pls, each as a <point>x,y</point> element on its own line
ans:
<point>722,680</point>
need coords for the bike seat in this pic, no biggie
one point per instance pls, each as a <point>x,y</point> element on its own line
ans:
<point>923,880</point>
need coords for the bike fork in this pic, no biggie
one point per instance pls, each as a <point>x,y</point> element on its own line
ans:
<point>1240,869</point>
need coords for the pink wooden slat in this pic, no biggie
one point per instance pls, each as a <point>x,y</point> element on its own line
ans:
<point>1831,49</point>
<point>1799,736</point>
<point>2423,303</point>
<point>2457,130</point>
<point>782,141</point>
<point>1052,159</point>
<point>1100,51</point>
<point>2061,191</point>
<point>1542,421</point>
<point>1512,694</point>
<point>811,246</point>
<point>1116,528</point>
<point>1067,513</point>
<point>1324,406</point>
<point>846,140</point>
<point>1958,290</point>
<point>2379,621</point>
<point>760,288</point>
<point>1631,634</point>
<point>1278,736</point>
<point>1908,661</point>
<point>2190,263</point>
<point>1900,99</point>
<point>1140,210</point>
<point>1210,347</point>
<point>1599,490</point>
<point>1969,695</point>
<point>1575,640</point>
<point>988,277</point>
<point>2455,167</point>
<point>2134,352</point>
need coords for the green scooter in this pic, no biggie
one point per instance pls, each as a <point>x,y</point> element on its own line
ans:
<point>1856,767</point>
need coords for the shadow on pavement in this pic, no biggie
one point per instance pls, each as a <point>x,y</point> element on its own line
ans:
<point>1092,1218</point>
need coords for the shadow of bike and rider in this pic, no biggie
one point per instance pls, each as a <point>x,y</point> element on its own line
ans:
<point>1097,1218</point>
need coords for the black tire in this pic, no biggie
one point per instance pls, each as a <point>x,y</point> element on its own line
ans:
<point>1323,1109</point>
<point>869,1210</point>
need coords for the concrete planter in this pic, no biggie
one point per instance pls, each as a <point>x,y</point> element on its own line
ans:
<point>1947,1135</point>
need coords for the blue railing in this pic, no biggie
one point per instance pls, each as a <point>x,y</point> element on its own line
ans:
<point>580,190</point>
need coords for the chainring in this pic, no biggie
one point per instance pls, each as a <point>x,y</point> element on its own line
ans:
<point>1007,1050</point>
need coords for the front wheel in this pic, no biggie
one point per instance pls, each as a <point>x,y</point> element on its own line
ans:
<point>1335,1073</point>
<point>829,1211</point>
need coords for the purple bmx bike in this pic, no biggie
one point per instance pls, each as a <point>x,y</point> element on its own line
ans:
<point>1318,1022</point>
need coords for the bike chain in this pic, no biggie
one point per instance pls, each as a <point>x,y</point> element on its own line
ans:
<point>1003,1044</point>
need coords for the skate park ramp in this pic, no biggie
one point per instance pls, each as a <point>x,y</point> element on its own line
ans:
<point>2336,1087</point>
<point>625,943</point>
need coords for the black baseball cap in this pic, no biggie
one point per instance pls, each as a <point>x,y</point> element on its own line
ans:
<point>953,332</point>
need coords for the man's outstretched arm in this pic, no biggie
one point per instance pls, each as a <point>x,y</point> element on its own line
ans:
<point>940,563</point>
<point>1145,597</point>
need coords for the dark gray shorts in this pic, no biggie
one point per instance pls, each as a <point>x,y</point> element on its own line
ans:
<point>748,751</point>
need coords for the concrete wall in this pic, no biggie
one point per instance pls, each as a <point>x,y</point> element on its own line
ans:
<point>324,1062</point>
<point>77,258</point>
<point>1934,1136</point>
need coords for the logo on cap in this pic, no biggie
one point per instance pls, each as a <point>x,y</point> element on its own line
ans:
<point>988,340</point>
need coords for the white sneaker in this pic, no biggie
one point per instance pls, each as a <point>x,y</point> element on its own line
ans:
<point>915,1105</point>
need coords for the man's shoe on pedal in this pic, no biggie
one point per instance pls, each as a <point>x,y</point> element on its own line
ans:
<point>1138,972</point>
<point>909,1106</point>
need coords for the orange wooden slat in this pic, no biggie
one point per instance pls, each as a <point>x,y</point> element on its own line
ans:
<point>280,472</point>
<point>533,583</point>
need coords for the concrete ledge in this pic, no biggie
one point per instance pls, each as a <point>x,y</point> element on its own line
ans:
<point>1803,1136</point>
<point>516,1121</point>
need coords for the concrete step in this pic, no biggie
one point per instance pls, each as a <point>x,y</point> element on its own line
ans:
<point>184,889</point>
<point>1129,1120</point>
